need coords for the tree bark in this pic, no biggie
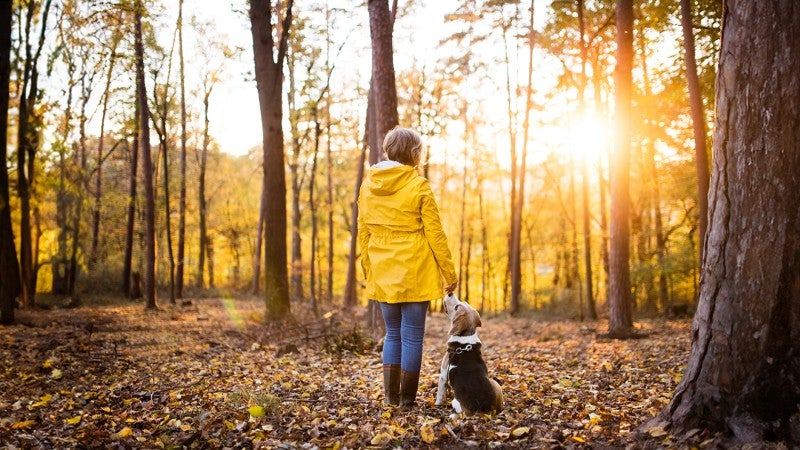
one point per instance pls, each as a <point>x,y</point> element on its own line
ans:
<point>10,286</point>
<point>269,80</point>
<point>201,192</point>
<point>131,222</point>
<point>620,310</point>
<point>698,121</point>
<point>27,143</point>
<point>743,374</point>
<point>147,165</point>
<point>179,276</point>
<point>383,79</point>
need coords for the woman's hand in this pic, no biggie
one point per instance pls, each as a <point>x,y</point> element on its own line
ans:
<point>449,289</point>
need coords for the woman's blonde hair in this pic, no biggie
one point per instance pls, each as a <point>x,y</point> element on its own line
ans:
<point>403,145</point>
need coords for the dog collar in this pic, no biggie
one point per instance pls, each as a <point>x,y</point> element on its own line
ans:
<point>458,349</point>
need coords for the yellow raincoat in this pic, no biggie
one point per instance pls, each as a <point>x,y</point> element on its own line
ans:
<point>404,252</point>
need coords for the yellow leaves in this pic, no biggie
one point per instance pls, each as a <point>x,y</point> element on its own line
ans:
<point>55,374</point>
<point>578,439</point>
<point>22,425</point>
<point>230,425</point>
<point>520,431</point>
<point>123,433</point>
<point>427,434</point>
<point>656,432</point>
<point>256,411</point>
<point>47,364</point>
<point>426,431</point>
<point>381,439</point>
<point>43,401</point>
<point>74,420</point>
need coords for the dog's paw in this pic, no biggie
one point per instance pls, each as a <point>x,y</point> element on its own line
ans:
<point>457,406</point>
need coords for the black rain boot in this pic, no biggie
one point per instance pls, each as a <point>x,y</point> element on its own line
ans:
<point>391,384</point>
<point>409,382</point>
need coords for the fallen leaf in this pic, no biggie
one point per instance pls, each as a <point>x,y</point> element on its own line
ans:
<point>74,420</point>
<point>123,433</point>
<point>256,411</point>
<point>427,434</point>
<point>381,439</point>
<point>23,424</point>
<point>55,374</point>
<point>43,400</point>
<point>521,431</point>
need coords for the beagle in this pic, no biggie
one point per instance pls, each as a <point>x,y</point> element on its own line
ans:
<point>463,367</point>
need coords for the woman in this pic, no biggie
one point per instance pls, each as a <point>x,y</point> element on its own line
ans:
<point>404,255</point>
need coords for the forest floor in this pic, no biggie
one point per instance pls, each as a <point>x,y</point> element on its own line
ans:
<point>210,374</point>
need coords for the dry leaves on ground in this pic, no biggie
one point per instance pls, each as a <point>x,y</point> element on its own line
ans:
<point>211,375</point>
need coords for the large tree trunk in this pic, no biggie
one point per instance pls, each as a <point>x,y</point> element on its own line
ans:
<point>147,165</point>
<point>383,81</point>
<point>182,202</point>
<point>382,99</point>
<point>743,374</point>
<point>269,80</point>
<point>698,121</point>
<point>10,286</point>
<point>620,321</point>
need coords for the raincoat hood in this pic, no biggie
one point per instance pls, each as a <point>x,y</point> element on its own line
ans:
<point>388,177</point>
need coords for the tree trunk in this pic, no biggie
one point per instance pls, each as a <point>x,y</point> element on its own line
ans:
<point>312,212</point>
<point>350,294</point>
<point>179,277</point>
<point>698,121</point>
<point>620,312</point>
<point>81,181</point>
<point>743,374</point>
<point>382,107</point>
<point>383,81</point>
<point>591,310</point>
<point>10,286</point>
<point>129,229</point>
<point>201,192</point>
<point>296,179</point>
<point>268,74</point>
<point>147,165</point>
<point>27,143</point>
<point>513,238</point>
<point>262,215</point>
<point>167,214</point>
<point>98,183</point>
<point>519,200</point>
<point>64,197</point>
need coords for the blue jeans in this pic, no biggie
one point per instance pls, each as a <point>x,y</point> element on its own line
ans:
<point>405,328</point>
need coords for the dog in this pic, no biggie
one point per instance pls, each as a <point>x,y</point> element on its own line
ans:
<point>463,367</point>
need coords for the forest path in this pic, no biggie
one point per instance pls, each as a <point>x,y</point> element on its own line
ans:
<point>209,374</point>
